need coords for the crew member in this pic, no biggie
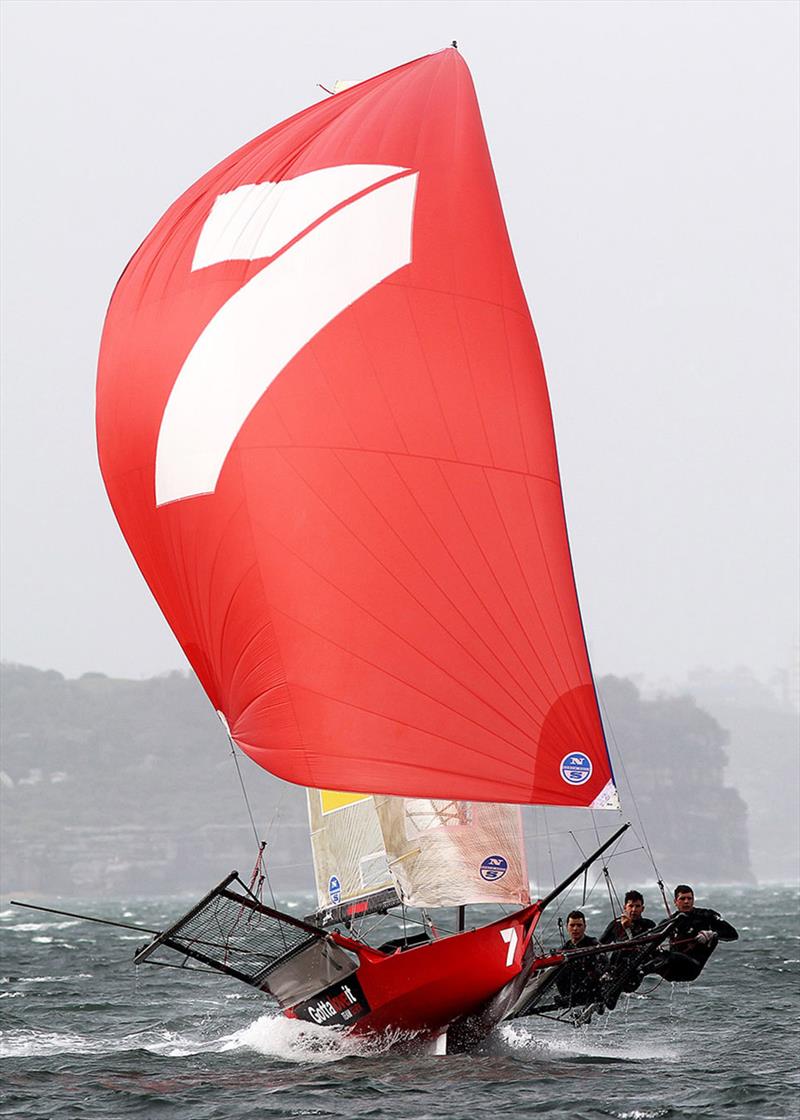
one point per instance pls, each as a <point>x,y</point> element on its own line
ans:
<point>630,923</point>
<point>578,981</point>
<point>621,975</point>
<point>694,934</point>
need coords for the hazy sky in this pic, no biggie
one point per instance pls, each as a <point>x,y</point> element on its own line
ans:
<point>647,156</point>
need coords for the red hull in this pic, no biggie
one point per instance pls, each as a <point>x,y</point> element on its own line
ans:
<point>425,989</point>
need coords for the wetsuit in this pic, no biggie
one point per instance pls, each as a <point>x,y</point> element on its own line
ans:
<point>578,981</point>
<point>615,931</point>
<point>686,959</point>
<point>621,974</point>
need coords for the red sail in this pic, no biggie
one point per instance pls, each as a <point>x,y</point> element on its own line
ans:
<point>324,428</point>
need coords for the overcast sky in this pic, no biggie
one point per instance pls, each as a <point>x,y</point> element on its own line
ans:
<point>647,157</point>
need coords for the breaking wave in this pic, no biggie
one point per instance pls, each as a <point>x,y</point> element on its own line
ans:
<point>585,1046</point>
<point>295,1041</point>
<point>271,1035</point>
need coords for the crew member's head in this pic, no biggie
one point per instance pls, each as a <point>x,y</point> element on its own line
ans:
<point>684,898</point>
<point>576,925</point>
<point>634,905</point>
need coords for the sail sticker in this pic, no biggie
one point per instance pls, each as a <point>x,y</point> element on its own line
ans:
<point>257,333</point>
<point>333,799</point>
<point>576,768</point>
<point>493,868</point>
<point>335,890</point>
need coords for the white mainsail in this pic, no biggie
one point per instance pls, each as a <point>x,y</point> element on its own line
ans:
<point>450,853</point>
<point>350,864</point>
<point>422,852</point>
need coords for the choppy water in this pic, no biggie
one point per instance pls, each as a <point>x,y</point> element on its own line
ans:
<point>85,1035</point>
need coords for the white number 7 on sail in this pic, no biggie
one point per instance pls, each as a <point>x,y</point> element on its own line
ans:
<point>275,314</point>
<point>510,938</point>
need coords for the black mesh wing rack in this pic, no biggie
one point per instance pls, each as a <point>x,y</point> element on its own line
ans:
<point>232,932</point>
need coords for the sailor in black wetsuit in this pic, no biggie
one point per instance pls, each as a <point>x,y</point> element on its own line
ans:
<point>694,934</point>
<point>620,976</point>
<point>578,980</point>
<point>630,923</point>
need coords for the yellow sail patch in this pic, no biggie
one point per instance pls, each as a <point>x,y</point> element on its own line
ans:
<point>333,799</point>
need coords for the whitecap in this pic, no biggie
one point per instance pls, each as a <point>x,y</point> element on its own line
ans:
<point>34,1044</point>
<point>295,1041</point>
<point>641,1114</point>
<point>34,927</point>
<point>55,979</point>
<point>583,1044</point>
<point>30,1043</point>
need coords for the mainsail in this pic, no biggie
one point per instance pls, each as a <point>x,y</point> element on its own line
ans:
<point>449,853</point>
<point>372,852</point>
<point>324,428</point>
<point>350,865</point>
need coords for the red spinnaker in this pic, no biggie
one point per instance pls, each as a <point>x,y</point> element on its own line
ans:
<point>324,429</point>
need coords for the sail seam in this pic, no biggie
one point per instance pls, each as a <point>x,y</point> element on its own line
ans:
<point>412,596</point>
<point>492,654</point>
<point>499,586</point>
<point>413,688</point>
<point>566,684</point>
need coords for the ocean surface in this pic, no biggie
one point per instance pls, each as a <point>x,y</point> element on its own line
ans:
<point>84,1034</point>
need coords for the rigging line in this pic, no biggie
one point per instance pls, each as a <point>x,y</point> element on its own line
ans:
<point>580,849</point>
<point>604,870</point>
<point>259,845</point>
<point>642,834</point>
<point>599,876</point>
<point>613,897</point>
<point>552,862</point>
<point>244,791</point>
<point>573,832</point>
<point>659,881</point>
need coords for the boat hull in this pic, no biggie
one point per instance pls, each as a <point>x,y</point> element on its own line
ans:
<point>422,990</point>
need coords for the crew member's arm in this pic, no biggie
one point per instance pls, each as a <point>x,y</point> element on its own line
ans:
<point>608,933</point>
<point>724,930</point>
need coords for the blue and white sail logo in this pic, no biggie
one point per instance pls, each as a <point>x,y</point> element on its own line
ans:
<point>493,868</point>
<point>335,890</point>
<point>576,768</point>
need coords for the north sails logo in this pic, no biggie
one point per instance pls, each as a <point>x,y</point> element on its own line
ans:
<point>493,868</point>
<point>335,234</point>
<point>576,768</point>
